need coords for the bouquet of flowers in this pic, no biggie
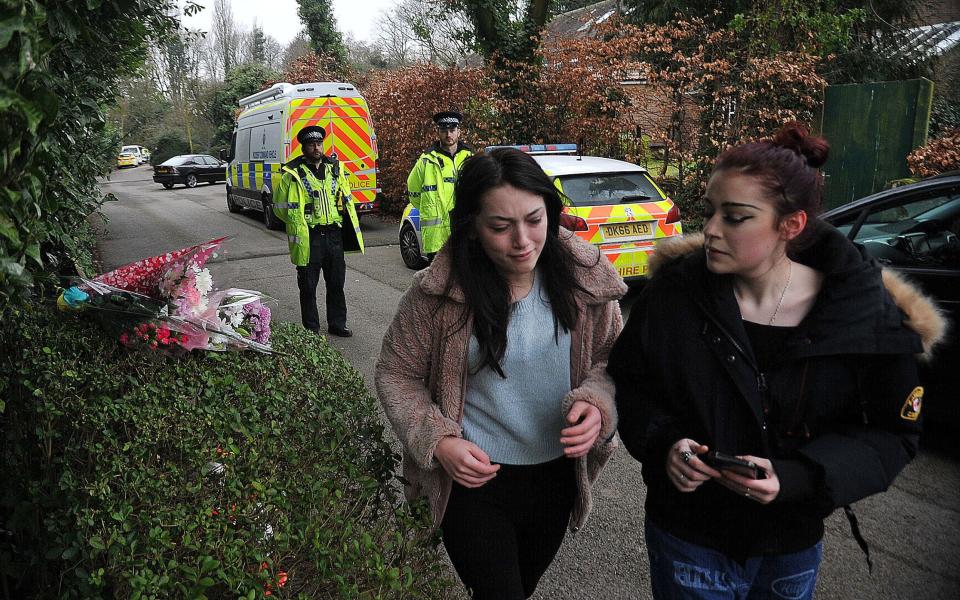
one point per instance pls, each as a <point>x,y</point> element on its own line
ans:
<point>168,303</point>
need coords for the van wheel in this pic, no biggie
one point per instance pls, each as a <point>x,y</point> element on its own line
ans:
<point>191,181</point>
<point>269,219</point>
<point>410,248</point>
<point>231,206</point>
<point>169,186</point>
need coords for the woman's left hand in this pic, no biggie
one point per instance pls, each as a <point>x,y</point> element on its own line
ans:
<point>585,422</point>
<point>763,491</point>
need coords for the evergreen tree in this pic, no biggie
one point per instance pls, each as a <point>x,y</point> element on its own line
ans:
<point>258,43</point>
<point>325,38</point>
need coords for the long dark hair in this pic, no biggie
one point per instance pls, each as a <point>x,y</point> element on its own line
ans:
<point>485,290</point>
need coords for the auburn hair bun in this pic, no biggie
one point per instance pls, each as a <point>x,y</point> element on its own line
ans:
<point>796,137</point>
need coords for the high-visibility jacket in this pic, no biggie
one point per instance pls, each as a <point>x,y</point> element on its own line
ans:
<point>430,187</point>
<point>302,201</point>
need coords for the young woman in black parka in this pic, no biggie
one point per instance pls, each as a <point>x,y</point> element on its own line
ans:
<point>773,339</point>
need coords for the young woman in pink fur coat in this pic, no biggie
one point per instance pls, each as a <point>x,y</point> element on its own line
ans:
<point>493,376</point>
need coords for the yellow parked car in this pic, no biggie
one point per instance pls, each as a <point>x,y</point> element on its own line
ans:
<point>126,159</point>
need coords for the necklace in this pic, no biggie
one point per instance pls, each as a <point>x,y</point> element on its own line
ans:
<point>783,293</point>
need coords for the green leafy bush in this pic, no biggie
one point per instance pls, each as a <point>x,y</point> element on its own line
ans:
<point>202,476</point>
<point>168,146</point>
<point>60,63</point>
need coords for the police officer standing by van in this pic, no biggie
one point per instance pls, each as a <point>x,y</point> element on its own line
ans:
<point>313,199</point>
<point>430,183</point>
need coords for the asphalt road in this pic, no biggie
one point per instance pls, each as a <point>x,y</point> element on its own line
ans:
<point>913,529</point>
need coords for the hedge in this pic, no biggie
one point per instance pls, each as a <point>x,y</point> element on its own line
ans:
<point>939,155</point>
<point>168,146</point>
<point>61,63</point>
<point>210,475</point>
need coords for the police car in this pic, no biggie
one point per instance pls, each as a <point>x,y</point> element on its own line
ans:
<point>612,204</point>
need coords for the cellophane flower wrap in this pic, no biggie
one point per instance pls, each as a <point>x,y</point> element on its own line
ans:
<point>168,303</point>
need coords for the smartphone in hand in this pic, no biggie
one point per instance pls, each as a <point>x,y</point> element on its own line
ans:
<point>727,462</point>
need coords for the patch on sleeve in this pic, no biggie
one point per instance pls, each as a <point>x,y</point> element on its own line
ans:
<point>911,406</point>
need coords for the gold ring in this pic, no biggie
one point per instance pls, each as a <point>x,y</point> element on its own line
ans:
<point>747,494</point>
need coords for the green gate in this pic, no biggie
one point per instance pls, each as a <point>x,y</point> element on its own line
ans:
<point>872,128</point>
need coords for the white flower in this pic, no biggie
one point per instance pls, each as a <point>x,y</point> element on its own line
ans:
<point>204,281</point>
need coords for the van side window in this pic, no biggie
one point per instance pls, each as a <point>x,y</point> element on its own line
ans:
<point>265,142</point>
<point>243,145</point>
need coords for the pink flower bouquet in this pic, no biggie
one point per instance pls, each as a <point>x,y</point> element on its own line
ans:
<point>168,303</point>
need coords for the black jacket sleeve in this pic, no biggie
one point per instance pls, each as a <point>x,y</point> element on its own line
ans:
<point>864,455</point>
<point>646,425</point>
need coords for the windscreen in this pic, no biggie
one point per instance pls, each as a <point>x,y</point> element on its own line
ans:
<point>609,188</point>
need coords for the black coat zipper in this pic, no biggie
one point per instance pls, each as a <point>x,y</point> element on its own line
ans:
<point>761,377</point>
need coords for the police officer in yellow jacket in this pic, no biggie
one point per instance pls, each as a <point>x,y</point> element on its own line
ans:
<point>430,183</point>
<point>313,199</point>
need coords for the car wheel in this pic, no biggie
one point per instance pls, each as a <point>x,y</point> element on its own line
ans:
<point>191,180</point>
<point>410,248</point>
<point>168,185</point>
<point>231,206</point>
<point>269,219</point>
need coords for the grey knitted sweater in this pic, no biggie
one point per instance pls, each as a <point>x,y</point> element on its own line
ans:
<point>517,420</point>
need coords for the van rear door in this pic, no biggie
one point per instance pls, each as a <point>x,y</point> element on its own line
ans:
<point>354,139</point>
<point>349,135</point>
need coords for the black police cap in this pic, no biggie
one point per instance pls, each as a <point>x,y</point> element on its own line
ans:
<point>447,118</point>
<point>312,133</point>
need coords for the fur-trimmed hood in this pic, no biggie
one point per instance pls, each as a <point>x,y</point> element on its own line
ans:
<point>921,313</point>
<point>591,269</point>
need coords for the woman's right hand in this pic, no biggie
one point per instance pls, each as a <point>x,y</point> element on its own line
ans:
<point>684,469</point>
<point>465,462</point>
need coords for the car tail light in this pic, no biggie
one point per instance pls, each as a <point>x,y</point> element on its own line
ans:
<point>573,223</point>
<point>673,215</point>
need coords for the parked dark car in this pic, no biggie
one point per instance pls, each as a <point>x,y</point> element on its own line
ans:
<point>915,229</point>
<point>190,169</point>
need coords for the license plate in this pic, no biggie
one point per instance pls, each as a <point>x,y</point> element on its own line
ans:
<point>628,271</point>
<point>631,231</point>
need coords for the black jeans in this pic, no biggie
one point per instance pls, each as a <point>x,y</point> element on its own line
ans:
<point>502,536</point>
<point>326,254</point>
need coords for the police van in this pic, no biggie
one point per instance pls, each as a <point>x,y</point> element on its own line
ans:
<point>265,138</point>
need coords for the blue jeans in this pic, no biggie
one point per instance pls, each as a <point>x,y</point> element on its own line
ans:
<point>680,570</point>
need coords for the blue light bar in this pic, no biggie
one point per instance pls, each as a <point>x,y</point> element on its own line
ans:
<point>541,148</point>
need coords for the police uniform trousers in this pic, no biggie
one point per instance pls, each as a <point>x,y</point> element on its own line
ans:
<point>326,255</point>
